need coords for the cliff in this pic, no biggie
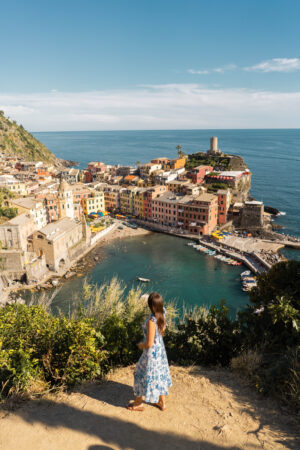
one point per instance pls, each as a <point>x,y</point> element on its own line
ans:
<point>16,141</point>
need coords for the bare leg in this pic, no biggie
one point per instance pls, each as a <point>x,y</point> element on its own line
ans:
<point>136,405</point>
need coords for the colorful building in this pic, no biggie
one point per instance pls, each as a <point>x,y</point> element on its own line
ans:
<point>96,166</point>
<point>149,195</point>
<point>233,178</point>
<point>198,215</point>
<point>164,209</point>
<point>197,174</point>
<point>138,202</point>
<point>177,163</point>
<point>94,203</point>
<point>224,200</point>
<point>112,197</point>
<point>126,200</point>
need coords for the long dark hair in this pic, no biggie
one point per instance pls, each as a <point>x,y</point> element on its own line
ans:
<point>156,304</point>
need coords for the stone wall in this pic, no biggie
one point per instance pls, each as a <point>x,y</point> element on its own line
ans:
<point>36,269</point>
<point>12,260</point>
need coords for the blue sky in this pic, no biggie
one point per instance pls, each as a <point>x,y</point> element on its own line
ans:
<point>93,64</point>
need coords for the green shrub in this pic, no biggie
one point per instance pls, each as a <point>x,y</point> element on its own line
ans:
<point>282,280</point>
<point>118,318</point>
<point>103,332</point>
<point>10,213</point>
<point>204,337</point>
<point>56,350</point>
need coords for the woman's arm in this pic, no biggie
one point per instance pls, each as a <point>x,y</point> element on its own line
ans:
<point>150,336</point>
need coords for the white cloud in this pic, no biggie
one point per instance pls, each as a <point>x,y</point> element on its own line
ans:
<point>170,106</point>
<point>276,65</point>
<point>223,69</point>
<point>198,72</point>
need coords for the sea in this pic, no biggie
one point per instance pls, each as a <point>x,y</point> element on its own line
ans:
<point>177,271</point>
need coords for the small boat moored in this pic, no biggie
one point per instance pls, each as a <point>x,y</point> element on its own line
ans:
<point>144,280</point>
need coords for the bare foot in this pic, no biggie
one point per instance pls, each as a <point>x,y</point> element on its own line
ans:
<point>161,406</point>
<point>135,407</point>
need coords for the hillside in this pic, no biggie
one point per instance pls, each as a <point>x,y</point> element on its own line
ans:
<point>206,409</point>
<point>15,140</point>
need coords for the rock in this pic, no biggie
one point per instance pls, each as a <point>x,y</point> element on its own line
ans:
<point>271,210</point>
<point>55,282</point>
<point>69,274</point>
<point>96,258</point>
<point>20,301</point>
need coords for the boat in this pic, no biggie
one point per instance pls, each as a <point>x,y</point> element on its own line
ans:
<point>247,273</point>
<point>144,280</point>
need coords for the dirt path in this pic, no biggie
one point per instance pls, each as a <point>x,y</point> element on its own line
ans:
<point>206,410</point>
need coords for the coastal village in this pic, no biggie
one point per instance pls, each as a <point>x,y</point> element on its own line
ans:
<point>51,216</point>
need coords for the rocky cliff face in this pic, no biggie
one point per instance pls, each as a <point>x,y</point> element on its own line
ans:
<point>16,141</point>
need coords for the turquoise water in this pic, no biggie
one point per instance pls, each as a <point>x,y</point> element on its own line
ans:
<point>179,272</point>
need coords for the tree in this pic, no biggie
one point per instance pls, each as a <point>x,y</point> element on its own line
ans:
<point>179,151</point>
<point>282,280</point>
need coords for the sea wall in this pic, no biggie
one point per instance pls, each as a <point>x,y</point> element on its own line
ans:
<point>101,234</point>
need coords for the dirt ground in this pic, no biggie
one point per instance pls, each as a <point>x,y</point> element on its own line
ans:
<point>205,410</point>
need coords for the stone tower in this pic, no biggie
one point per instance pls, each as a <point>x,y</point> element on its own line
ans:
<point>65,200</point>
<point>214,151</point>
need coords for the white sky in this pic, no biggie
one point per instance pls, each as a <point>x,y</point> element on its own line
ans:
<point>168,106</point>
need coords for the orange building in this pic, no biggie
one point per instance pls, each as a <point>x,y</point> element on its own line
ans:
<point>177,163</point>
<point>224,199</point>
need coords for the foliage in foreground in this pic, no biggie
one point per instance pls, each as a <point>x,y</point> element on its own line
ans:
<point>103,332</point>
<point>35,345</point>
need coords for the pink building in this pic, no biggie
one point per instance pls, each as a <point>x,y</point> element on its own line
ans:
<point>197,174</point>
<point>51,205</point>
<point>149,196</point>
<point>95,167</point>
<point>198,215</point>
<point>164,209</point>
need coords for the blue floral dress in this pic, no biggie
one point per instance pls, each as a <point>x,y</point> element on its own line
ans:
<point>152,376</point>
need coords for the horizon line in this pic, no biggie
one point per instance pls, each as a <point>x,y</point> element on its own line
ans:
<point>160,129</point>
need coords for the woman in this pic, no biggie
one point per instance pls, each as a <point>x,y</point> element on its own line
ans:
<point>152,376</point>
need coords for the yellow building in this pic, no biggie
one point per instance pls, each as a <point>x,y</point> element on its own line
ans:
<point>94,203</point>
<point>138,202</point>
<point>127,200</point>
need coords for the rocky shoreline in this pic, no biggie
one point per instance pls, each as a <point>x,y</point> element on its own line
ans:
<point>79,268</point>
